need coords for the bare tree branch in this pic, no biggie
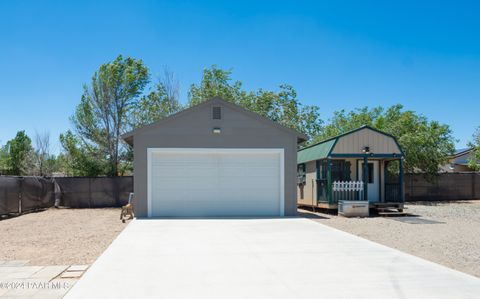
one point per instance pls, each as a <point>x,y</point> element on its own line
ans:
<point>171,84</point>
<point>42,151</point>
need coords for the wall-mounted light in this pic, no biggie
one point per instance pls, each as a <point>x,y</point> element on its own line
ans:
<point>217,130</point>
<point>366,150</point>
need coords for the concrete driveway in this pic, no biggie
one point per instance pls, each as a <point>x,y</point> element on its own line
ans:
<point>260,258</point>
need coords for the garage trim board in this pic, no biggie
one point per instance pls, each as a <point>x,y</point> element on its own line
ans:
<point>279,152</point>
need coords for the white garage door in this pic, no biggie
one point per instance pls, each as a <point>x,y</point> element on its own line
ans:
<point>215,182</point>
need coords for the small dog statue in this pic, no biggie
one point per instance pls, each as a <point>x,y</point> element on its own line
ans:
<point>127,209</point>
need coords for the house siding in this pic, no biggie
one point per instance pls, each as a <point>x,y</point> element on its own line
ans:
<point>355,142</point>
<point>309,188</point>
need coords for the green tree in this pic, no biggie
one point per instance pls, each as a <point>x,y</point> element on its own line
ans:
<point>427,144</point>
<point>18,154</point>
<point>217,83</point>
<point>161,102</point>
<point>79,159</point>
<point>102,115</point>
<point>474,160</point>
<point>281,106</point>
<point>3,160</point>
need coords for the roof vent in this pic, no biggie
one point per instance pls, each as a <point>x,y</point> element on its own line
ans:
<point>217,113</point>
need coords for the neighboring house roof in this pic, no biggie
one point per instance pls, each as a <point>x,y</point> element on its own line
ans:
<point>461,152</point>
<point>461,156</point>
<point>325,148</point>
<point>128,137</point>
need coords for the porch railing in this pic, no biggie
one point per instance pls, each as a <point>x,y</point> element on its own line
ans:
<point>347,190</point>
<point>392,192</point>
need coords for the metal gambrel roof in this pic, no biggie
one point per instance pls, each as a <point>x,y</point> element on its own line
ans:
<point>316,152</point>
<point>324,148</point>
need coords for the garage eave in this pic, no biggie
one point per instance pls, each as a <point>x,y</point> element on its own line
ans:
<point>128,138</point>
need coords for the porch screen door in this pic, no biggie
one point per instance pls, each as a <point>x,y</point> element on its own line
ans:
<point>373,180</point>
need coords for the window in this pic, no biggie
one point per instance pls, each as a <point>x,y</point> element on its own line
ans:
<point>301,174</point>
<point>217,113</point>
<point>301,178</point>
<point>340,170</point>
<point>337,170</point>
<point>370,173</point>
<point>323,170</point>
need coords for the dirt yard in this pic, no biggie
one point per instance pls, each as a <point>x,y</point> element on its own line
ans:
<point>445,233</point>
<point>59,236</point>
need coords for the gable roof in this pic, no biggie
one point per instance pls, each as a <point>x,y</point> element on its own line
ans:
<point>128,137</point>
<point>324,148</point>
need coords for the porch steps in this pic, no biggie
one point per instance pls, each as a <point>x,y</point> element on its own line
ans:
<point>389,212</point>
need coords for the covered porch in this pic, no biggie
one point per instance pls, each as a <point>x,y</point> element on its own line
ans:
<point>361,165</point>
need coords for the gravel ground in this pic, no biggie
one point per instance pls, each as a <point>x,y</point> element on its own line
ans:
<point>445,233</point>
<point>59,236</point>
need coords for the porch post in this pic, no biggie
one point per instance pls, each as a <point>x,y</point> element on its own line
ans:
<point>402,195</point>
<point>329,181</point>
<point>365,178</point>
<point>317,177</point>
<point>385,180</point>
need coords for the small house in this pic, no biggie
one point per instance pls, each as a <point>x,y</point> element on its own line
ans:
<point>364,164</point>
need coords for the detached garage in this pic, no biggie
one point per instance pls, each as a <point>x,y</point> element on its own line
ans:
<point>215,159</point>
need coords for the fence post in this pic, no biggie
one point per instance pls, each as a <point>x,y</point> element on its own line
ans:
<point>20,194</point>
<point>473,185</point>
<point>402,196</point>
<point>117,190</point>
<point>412,197</point>
<point>89,192</point>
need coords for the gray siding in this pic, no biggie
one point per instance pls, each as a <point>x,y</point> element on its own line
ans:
<point>194,130</point>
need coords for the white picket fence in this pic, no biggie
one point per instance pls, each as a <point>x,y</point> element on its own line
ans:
<point>347,190</point>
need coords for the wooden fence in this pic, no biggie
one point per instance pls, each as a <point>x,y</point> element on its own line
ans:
<point>23,194</point>
<point>94,192</point>
<point>446,186</point>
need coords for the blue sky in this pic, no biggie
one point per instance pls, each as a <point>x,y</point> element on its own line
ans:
<point>422,54</point>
